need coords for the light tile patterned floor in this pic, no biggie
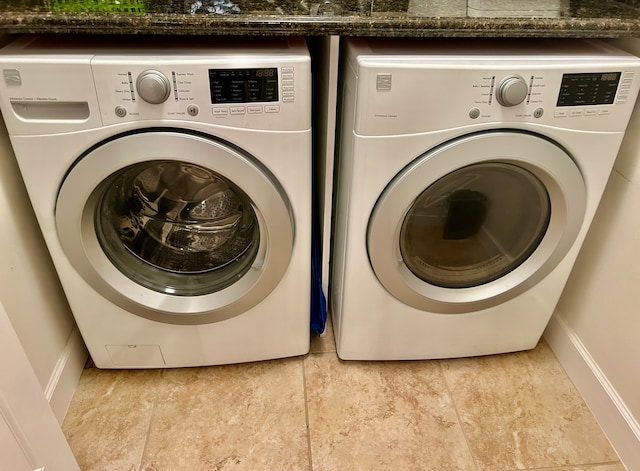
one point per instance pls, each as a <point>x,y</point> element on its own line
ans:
<point>498,413</point>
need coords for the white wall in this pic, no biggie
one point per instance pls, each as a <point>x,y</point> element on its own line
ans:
<point>596,328</point>
<point>30,290</point>
<point>30,437</point>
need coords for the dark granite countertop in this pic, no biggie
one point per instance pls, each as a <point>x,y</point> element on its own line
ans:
<point>402,18</point>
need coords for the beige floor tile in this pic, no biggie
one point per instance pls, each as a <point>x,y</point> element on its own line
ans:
<point>240,417</point>
<point>108,419</point>
<point>521,411</point>
<point>325,343</point>
<point>381,416</point>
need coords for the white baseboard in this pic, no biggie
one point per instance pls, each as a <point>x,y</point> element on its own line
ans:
<point>608,408</point>
<point>66,374</point>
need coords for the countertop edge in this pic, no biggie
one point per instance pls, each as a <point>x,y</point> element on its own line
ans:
<point>261,25</point>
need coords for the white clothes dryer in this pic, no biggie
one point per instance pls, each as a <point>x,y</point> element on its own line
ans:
<point>467,176</point>
<point>172,182</point>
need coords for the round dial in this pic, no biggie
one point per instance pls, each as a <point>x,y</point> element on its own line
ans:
<point>512,90</point>
<point>153,86</point>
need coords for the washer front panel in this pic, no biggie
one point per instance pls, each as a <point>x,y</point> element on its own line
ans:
<point>475,261</point>
<point>89,182</point>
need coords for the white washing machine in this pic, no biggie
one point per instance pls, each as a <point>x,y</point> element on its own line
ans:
<point>468,175</point>
<point>172,183</point>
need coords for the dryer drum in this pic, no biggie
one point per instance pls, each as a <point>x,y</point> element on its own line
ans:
<point>467,210</point>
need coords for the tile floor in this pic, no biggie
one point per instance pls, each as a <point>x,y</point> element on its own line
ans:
<point>499,413</point>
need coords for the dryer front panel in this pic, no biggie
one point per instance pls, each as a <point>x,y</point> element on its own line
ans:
<point>476,221</point>
<point>175,226</point>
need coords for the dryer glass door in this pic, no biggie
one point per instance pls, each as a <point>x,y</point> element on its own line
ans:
<point>476,221</point>
<point>475,225</point>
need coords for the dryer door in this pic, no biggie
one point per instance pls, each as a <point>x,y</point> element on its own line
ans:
<point>175,226</point>
<point>476,221</point>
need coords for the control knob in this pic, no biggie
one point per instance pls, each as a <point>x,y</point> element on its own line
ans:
<point>512,90</point>
<point>153,87</point>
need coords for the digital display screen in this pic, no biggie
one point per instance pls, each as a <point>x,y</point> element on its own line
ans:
<point>588,89</point>
<point>243,85</point>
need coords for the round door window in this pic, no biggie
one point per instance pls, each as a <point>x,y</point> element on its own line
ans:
<point>176,228</point>
<point>475,225</point>
<point>476,221</point>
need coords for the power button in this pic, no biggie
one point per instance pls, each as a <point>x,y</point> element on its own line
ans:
<point>193,110</point>
<point>120,111</point>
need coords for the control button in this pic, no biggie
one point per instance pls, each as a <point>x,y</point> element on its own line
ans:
<point>512,90</point>
<point>193,110</point>
<point>254,109</point>
<point>561,114</point>
<point>272,109</point>
<point>287,70</point>
<point>474,113</point>
<point>604,111</point>
<point>153,87</point>
<point>575,113</point>
<point>288,98</point>
<point>288,88</point>
<point>538,112</point>
<point>590,112</point>
<point>238,110</point>
<point>121,111</point>
<point>287,76</point>
<point>288,83</point>
<point>220,110</point>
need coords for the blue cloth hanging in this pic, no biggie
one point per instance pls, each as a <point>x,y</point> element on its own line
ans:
<point>318,300</point>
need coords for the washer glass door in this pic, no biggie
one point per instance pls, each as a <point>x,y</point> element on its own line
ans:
<point>476,221</point>
<point>175,226</point>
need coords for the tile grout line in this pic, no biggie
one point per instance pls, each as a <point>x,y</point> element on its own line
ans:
<point>146,440</point>
<point>306,409</point>
<point>455,408</point>
<point>569,467</point>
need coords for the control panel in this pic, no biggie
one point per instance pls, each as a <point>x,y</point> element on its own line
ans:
<point>251,97</point>
<point>585,94</point>
<point>61,84</point>
<point>593,97</point>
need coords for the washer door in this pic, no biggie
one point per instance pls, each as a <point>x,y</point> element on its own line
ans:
<point>476,221</point>
<point>175,226</point>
